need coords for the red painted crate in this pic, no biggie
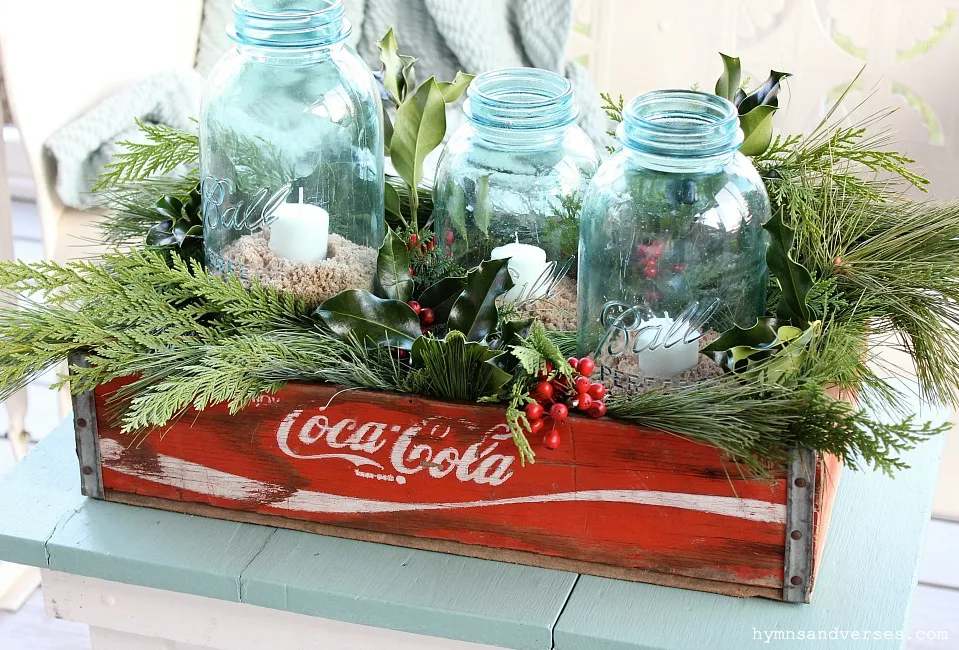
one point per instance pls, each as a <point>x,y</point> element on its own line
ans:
<point>614,500</point>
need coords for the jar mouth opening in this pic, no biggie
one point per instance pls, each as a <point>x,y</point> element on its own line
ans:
<point>288,24</point>
<point>520,98</point>
<point>684,123</point>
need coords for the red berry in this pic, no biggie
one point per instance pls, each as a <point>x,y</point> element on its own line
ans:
<point>597,391</point>
<point>415,306</point>
<point>581,384</point>
<point>545,371</point>
<point>679,268</point>
<point>425,329</point>
<point>411,271</point>
<point>534,411</point>
<point>598,409</point>
<point>650,272</point>
<point>586,366</point>
<point>558,411</point>
<point>535,426</point>
<point>414,238</point>
<point>450,237</point>
<point>573,362</point>
<point>552,440</point>
<point>542,392</point>
<point>583,401</point>
<point>651,263</point>
<point>427,316</point>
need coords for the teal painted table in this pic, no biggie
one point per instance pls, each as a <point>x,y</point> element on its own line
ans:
<point>214,578</point>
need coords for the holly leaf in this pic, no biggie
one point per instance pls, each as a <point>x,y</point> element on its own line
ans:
<point>170,207</point>
<point>441,296</point>
<point>161,234</point>
<point>397,68</point>
<point>759,336</point>
<point>419,128</point>
<point>453,90</point>
<point>765,95</point>
<point>376,321</point>
<point>757,126</point>
<point>393,269</point>
<point>793,278</point>
<point>513,332</point>
<point>474,312</point>
<point>728,83</point>
<point>387,131</point>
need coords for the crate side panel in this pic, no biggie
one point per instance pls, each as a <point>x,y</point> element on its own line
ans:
<point>613,493</point>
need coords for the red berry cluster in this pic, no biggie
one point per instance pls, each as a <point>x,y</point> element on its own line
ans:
<point>420,247</point>
<point>427,317</point>
<point>560,395</point>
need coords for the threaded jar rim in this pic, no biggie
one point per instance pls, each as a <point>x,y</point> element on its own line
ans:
<point>682,124</point>
<point>520,99</point>
<point>270,24</point>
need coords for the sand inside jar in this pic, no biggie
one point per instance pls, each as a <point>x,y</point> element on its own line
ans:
<point>347,266</point>
<point>556,310</point>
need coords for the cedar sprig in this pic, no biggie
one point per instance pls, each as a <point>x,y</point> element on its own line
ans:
<point>166,149</point>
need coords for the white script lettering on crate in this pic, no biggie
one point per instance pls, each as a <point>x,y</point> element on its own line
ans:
<point>316,438</point>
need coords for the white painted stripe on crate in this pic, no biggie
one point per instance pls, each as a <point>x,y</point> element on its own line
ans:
<point>185,475</point>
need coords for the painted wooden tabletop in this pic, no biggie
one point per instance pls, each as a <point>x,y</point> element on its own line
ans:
<point>866,582</point>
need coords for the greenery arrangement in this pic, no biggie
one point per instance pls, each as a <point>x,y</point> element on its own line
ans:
<point>851,259</point>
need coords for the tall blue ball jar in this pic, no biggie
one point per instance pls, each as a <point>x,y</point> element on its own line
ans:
<point>291,150</point>
<point>672,248</point>
<point>514,172</point>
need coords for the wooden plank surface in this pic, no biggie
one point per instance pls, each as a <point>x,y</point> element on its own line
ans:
<point>37,496</point>
<point>409,590</point>
<point>866,581</point>
<point>939,565</point>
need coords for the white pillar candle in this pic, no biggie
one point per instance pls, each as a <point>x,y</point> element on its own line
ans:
<point>527,266</point>
<point>300,232</point>
<point>662,347</point>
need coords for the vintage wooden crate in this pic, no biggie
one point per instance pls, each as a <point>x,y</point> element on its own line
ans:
<point>614,500</point>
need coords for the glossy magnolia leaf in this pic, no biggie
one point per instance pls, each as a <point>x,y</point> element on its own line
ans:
<point>793,278</point>
<point>441,296</point>
<point>452,90</point>
<point>393,269</point>
<point>391,201</point>
<point>397,68</point>
<point>757,126</point>
<point>372,320</point>
<point>387,131</point>
<point>765,95</point>
<point>419,128</point>
<point>728,83</point>
<point>474,312</point>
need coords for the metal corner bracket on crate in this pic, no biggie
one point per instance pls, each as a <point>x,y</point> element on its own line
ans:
<point>615,500</point>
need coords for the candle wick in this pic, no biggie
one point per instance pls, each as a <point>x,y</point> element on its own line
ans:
<point>301,194</point>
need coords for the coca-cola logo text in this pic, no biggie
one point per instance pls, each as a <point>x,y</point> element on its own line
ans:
<point>399,451</point>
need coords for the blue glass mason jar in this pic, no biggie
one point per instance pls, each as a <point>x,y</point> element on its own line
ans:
<point>672,249</point>
<point>512,176</point>
<point>291,151</point>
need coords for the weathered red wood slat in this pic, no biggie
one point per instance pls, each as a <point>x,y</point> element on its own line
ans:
<point>615,499</point>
